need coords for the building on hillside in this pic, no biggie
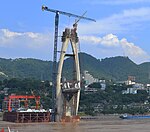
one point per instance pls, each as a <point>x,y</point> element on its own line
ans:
<point>129,82</point>
<point>148,88</point>
<point>130,91</point>
<point>131,78</point>
<point>139,86</point>
<point>148,85</point>
<point>103,86</point>
<point>133,90</point>
<point>89,79</point>
<point>90,90</point>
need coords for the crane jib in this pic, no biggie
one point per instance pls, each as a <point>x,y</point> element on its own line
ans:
<point>67,14</point>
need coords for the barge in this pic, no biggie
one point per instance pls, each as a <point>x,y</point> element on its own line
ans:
<point>14,112</point>
<point>126,116</point>
<point>26,117</point>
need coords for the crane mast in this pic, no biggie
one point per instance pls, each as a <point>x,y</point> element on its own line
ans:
<point>54,74</point>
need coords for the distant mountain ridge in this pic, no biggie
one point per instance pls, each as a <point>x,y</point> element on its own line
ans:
<point>116,68</point>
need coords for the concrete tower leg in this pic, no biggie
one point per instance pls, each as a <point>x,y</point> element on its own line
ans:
<point>59,96</point>
<point>67,98</point>
<point>76,58</point>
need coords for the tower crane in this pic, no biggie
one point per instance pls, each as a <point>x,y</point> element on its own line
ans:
<point>57,13</point>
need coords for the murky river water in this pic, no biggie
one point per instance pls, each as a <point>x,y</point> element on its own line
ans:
<point>102,125</point>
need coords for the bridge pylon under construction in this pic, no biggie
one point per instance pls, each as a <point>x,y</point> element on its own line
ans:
<point>68,93</point>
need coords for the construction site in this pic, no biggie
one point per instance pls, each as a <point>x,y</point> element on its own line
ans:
<point>65,94</point>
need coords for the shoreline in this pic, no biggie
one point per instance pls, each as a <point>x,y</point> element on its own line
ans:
<point>101,117</point>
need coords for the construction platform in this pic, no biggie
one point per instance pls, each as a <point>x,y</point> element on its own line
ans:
<point>26,117</point>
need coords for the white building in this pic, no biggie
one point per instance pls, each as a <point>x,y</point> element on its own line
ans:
<point>129,82</point>
<point>130,91</point>
<point>89,79</point>
<point>138,86</point>
<point>103,86</point>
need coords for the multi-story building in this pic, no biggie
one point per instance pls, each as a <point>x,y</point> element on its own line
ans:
<point>89,79</point>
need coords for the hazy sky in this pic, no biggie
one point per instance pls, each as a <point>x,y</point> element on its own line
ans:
<point>122,28</point>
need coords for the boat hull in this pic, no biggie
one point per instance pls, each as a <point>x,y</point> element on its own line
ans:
<point>135,116</point>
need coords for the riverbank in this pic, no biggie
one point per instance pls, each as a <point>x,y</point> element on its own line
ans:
<point>101,117</point>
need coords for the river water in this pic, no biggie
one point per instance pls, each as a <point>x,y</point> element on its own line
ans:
<point>101,125</point>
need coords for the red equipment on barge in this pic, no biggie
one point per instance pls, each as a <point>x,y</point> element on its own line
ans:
<point>14,112</point>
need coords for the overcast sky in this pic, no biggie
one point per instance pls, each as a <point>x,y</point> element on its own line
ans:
<point>122,28</point>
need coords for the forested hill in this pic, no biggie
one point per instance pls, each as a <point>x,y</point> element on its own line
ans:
<point>116,68</point>
<point>25,68</point>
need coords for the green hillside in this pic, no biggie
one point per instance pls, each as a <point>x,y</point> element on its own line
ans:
<point>25,68</point>
<point>119,67</point>
<point>116,68</point>
<point>144,74</point>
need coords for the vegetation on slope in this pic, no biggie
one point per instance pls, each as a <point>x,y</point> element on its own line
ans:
<point>115,68</point>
